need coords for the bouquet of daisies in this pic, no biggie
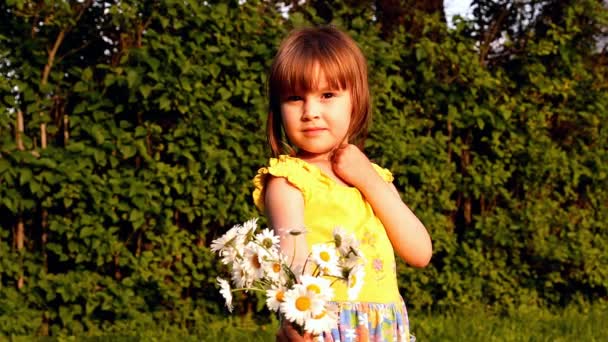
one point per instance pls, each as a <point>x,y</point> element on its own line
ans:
<point>302,296</point>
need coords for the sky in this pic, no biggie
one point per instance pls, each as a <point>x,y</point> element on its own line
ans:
<point>453,7</point>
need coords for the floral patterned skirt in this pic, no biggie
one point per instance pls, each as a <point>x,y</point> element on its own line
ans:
<point>370,322</point>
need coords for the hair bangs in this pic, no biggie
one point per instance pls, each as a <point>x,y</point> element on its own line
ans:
<point>301,73</point>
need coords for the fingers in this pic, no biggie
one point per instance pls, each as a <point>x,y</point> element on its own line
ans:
<point>280,335</point>
<point>287,333</point>
<point>338,150</point>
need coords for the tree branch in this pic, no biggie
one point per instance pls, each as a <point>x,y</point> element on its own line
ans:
<point>490,35</point>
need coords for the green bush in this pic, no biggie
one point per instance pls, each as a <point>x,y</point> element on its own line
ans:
<point>144,124</point>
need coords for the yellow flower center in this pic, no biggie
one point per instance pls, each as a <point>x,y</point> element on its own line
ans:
<point>324,256</point>
<point>313,288</point>
<point>276,267</point>
<point>303,303</point>
<point>267,243</point>
<point>279,296</point>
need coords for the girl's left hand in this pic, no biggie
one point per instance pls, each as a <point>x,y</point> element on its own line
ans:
<point>287,333</point>
<point>352,166</point>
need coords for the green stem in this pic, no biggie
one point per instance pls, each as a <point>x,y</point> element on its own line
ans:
<point>306,263</point>
<point>293,257</point>
<point>247,289</point>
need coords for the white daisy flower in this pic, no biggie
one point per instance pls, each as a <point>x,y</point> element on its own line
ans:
<point>355,281</point>
<point>273,269</point>
<point>300,304</point>
<point>253,257</point>
<point>250,226</point>
<point>352,260</point>
<point>285,232</point>
<point>225,291</point>
<point>226,240</point>
<point>240,276</point>
<point>229,245</point>
<point>326,257</point>
<point>230,254</point>
<point>323,322</point>
<point>345,241</point>
<point>267,239</point>
<point>318,285</point>
<point>274,298</point>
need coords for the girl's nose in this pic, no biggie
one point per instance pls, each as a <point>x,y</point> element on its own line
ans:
<point>311,110</point>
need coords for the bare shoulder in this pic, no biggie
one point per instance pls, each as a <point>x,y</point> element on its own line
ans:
<point>284,204</point>
<point>282,195</point>
<point>278,187</point>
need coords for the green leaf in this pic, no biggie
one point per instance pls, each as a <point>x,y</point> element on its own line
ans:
<point>4,165</point>
<point>145,90</point>
<point>98,134</point>
<point>81,87</point>
<point>132,78</point>
<point>25,176</point>
<point>128,151</point>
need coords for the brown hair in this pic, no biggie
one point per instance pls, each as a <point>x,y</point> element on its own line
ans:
<point>293,69</point>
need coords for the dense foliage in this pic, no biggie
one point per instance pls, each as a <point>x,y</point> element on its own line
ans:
<point>130,131</point>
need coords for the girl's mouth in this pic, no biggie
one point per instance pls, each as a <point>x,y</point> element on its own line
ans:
<point>314,131</point>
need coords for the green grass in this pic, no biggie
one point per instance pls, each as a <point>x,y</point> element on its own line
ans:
<point>529,325</point>
<point>586,324</point>
<point>524,325</point>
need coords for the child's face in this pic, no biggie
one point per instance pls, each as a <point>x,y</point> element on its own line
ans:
<point>317,121</point>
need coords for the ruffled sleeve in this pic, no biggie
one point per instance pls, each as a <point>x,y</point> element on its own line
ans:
<point>293,169</point>
<point>384,173</point>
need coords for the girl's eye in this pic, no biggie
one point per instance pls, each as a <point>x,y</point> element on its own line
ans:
<point>293,98</point>
<point>328,95</point>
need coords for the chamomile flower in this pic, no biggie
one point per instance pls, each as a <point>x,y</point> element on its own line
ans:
<point>255,262</point>
<point>225,291</point>
<point>300,304</point>
<point>230,245</point>
<point>345,242</point>
<point>240,276</point>
<point>273,269</point>
<point>267,239</point>
<point>253,257</point>
<point>291,231</point>
<point>249,227</point>
<point>274,297</point>
<point>355,281</point>
<point>323,322</point>
<point>326,257</point>
<point>318,285</point>
<point>352,260</point>
<point>225,240</point>
<point>229,255</point>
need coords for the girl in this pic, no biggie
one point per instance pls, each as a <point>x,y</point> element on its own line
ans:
<point>320,179</point>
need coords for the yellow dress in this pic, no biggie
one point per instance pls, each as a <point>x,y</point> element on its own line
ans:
<point>328,204</point>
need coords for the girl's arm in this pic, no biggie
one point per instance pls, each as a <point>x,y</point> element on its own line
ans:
<point>408,235</point>
<point>285,211</point>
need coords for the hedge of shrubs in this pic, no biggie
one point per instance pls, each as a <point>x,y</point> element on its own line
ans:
<point>130,132</point>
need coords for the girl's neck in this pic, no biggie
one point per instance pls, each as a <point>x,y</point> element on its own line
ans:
<point>323,162</point>
<point>314,158</point>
